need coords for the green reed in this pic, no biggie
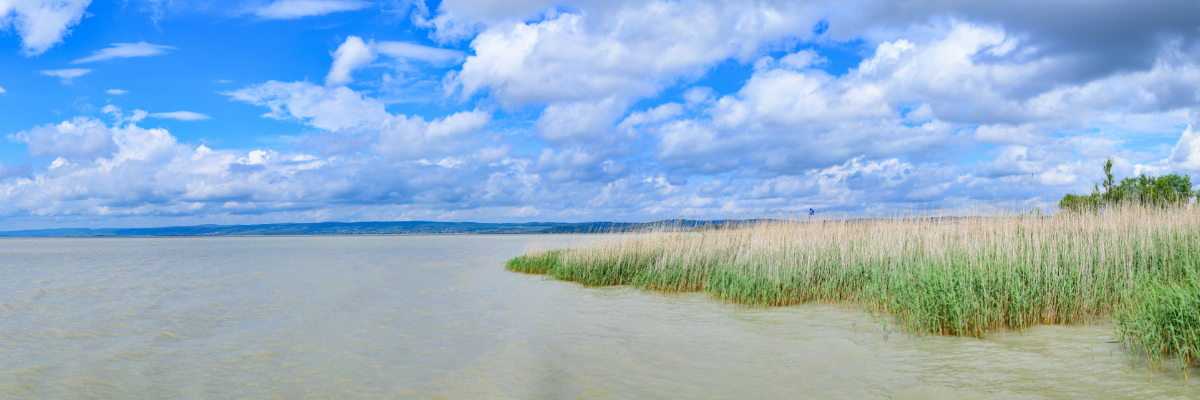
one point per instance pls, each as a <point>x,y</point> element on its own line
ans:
<point>962,276</point>
<point>534,262</point>
<point>1163,321</point>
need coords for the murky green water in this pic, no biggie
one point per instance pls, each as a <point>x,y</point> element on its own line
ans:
<point>438,317</point>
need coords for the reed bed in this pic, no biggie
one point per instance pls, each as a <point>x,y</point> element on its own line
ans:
<point>965,275</point>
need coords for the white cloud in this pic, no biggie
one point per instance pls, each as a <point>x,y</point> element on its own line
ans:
<point>919,99</point>
<point>257,157</point>
<point>293,9</point>
<point>181,115</point>
<point>697,95</point>
<point>342,112</point>
<point>1186,154</point>
<point>41,23</point>
<point>413,138</point>
<point>628,50</point>
<point>119,117</point>
<point>127,171</point>
<point>580,122</point>
<point>352,122</point>
<point>147,175</point>
<point>802,59</point>
<point>912,96</point>
<point>411,51</point>
<point>949,103</point>
<point>351,55</point>
<point>125,50</point>
<point>116,92</point>
<point>786,121</point>
<point>59,162</point>
<point>325,108</point>
<point>65,75</point>
<point>1,90</point>
<point>576,164</point>
<point>354,54</point>
<point>657,114</point>
<point>1008,134</point>
<point>79,138</point>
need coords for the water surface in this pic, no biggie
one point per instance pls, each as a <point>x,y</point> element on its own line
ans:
<point>438,317</point>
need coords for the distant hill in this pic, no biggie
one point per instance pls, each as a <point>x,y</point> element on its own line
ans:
<point>364,228</point>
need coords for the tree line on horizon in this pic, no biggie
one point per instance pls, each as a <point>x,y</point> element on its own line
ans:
<point>1162,191</point>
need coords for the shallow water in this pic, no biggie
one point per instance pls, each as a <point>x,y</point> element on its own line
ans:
<point>438,317</point>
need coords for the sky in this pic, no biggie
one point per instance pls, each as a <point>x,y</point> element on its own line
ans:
<point>138,113</point>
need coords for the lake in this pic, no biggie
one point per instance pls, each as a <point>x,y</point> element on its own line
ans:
<point>438,317</point>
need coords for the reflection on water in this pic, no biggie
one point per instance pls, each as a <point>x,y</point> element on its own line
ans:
<point>438,317</point>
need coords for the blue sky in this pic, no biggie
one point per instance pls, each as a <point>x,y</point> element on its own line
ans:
<point>155,112</point>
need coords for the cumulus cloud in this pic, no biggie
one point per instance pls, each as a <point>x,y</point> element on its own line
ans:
<point>1,90</point>
<point>116,92</point>
<point>1008,134</point>
<point>130,171</point>
<point>657,114</point>
<point>614,117</point>
<point>1079,38</point>
<point>125,50</point>
<point>787,121</point>
<point>41,23</point>
<point>535,62</point>
<point>126,171</point>
<point>917,99</point>
<point>351,55</point>
<point>581,122</point>
<point>293,9</point>
<point>1186,154</point>
<point>941,80</point>
<point>631,50</point>
<point>325,108</point>
<point>351,117</point>
<point>181,115</point>
<point>81,138</point>
<point>67,76</point>
<point>413,138</point>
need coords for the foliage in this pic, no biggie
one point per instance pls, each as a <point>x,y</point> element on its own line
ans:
<point>1162,191</point>
<point>534,262</point>
<point>1163,320</point>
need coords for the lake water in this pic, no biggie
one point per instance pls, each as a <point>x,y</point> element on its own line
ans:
<point>438,317</point>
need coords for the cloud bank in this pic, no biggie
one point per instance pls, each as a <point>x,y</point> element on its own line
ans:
<point>586,110</point>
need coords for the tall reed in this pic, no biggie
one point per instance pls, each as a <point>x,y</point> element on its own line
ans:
<point>964,275</point>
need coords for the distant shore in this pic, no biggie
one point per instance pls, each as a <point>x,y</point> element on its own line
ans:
<point>362,228</point>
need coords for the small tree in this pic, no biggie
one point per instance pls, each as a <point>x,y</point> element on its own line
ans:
<point>1108,181</point>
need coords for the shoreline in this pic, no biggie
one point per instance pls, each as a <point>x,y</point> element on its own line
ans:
<point>1136,267</point>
